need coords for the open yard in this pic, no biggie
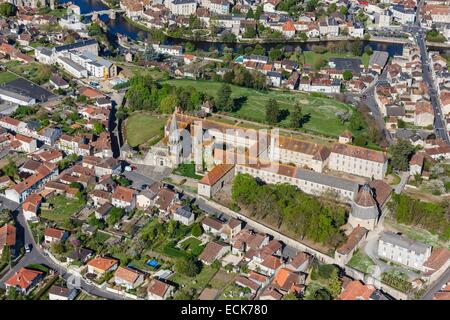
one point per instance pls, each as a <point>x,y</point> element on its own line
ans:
<point>187,170</point>
<point>199,282</point>
<point>192,245</point>
<point>62,208</point>
<point>361,262</point>
<point>321,110</point>
<point>6,77</point>
<point>142,127</point>
<point>312,58</point>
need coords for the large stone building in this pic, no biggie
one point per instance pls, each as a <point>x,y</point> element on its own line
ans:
<point>359,161</point>
<point>398,249</point>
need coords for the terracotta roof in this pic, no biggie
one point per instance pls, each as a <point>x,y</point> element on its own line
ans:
<point>356,290</point>
<point>246,282</point>
<point>257,277</point>
<point>127,274</point>
<point>271,262</point>
<point>299,259</point>
<point>417,159</point>
<point>439,257</point>
<point>288,26</point>
<point>359,152</point>
<point>365,197</point>
<point>213,223</point>
<point>381,191</point>
<point>102,263</point>
<point>285,279</point>
<point>54,233</point>
<point>211,251</point>
<point>216,174</point>
<point>352,241</point>
<point>23,278</point>
<point>158,288</point>
<point>313,149</point>
<point>7,236</point>
<point>123,194</point>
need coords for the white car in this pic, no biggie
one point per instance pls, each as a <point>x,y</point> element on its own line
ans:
<point>28,248</point>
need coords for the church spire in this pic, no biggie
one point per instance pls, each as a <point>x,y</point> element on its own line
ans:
<point>174,135</point>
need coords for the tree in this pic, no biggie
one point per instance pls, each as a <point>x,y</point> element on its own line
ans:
<point>11,169</point>
<point>357,47</point>
<point>289,296</point>
<point>197,230</point>
<point>258,12</point>
<point>297,116</point>
<point>368,50</point>
<point>275,54</point>
<point>114,216</point>
<point>250,14</point>
<point>303,36</point>
<point>322,294</point>
<point>98,128</point>
<point>348,75</point>
<point>343,10</point>
<point>224,101</point>
<point>400,153</point>
<point>168,104</point>
<point>273,111</point>
<point>187,266</point>
<point>7,9</point>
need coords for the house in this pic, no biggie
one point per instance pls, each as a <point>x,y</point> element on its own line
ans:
<point>184,215</point>
<point>24,280</point>
<point>215,180</point>
<point>288,29</point>
<point>286,281</point>
<point>128,278</point>
<point>145,199</point>
<point>103,211</point>
<point>213,251</point>
<point>52,235</point>
<point>80,254</point>
<point>165,199</point>
<point>401,250</point>
<point>416,164</point>
<point>344,253</point>
<point>247,283</point>
<point>31,207</point>
<point>270,293</point>
<point>7,237</point>
<point>158,290</point>
<point>58,82</point>
<point>299,263</point>
<point>100,197</point>
<point>57,292</point>
<point>212,225</point>
<point>274,79</point>
<point>101,265</point>
<point>356,290</point>
<point>124,198</point>
<point>231,229</point>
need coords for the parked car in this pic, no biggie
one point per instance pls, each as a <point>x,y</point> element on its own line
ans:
<point>28,248</point>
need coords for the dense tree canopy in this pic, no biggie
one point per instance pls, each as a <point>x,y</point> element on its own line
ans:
<point>400,154</point>
<point>432,216</point>
<point>286,206</point>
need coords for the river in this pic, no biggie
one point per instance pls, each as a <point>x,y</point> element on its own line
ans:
<point>122,26</point>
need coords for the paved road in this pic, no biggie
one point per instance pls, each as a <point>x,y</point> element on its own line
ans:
<point>37,256</point>
<point>403,180</point>
<point>418,33</point>
<point>437,285</point>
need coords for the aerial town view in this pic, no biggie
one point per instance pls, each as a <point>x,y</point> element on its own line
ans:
<point>225,150</point>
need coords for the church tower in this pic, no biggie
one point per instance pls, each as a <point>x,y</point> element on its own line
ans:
<point>175,149</point>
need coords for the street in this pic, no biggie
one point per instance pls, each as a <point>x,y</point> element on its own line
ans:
<point>37,256</point>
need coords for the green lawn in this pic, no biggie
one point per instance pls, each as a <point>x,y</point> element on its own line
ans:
<point>192,245</point>
<point>361,262</point>
<point>6,77</point>
<point>101,236</point>
<point>312,57</point>
<point>63,208</point>
<point>187,170</point>
<point>198,282</point>
<point>322,110</point>
<point>141,127</point>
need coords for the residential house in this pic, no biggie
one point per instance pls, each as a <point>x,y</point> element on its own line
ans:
<point>128,278</point>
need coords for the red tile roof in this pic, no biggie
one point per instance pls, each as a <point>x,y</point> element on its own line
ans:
<point>23,278</point>
<point>216,174</point>
<point>356,290</point>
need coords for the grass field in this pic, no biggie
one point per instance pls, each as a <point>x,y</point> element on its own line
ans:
<point>312,57</point>
<point>361,262</point>
<point>199,282</point>
<point>63,209</point>
<point>322,111</point>
<point>187,170</point>
<point>141,127</point>
<point>6,77</point>
<point>192,245</point>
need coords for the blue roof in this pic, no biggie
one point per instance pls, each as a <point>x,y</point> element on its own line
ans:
<point>152,263</point>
